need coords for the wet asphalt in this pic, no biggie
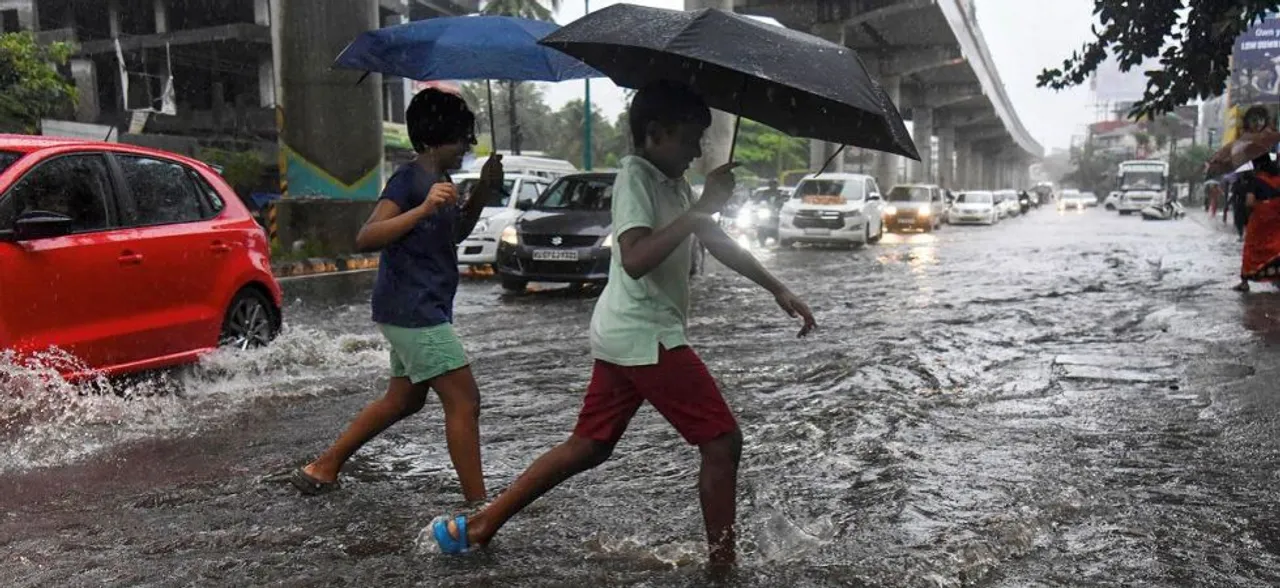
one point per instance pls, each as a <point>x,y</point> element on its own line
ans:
<point>1058,400</point>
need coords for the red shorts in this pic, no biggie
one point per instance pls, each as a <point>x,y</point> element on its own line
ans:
<point>679,386</point>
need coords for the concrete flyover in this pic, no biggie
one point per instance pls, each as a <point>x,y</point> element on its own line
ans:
<point>930,57</point>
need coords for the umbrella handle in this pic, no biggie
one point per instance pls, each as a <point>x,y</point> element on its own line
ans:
<point>493,129</point>
<point>733,143</point>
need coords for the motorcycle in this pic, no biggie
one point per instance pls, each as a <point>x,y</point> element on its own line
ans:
<point>1166,211</point>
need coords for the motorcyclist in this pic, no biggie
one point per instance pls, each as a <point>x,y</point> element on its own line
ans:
<point>770,199</point>
<point>1024,201</point>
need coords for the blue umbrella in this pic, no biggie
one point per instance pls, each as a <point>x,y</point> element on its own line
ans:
<point>464,48</point>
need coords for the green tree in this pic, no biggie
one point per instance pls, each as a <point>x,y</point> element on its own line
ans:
<point>1094,169</point>
<point>568,130</point>
<point>768,152</point>
<point>531,9</point>
<point>30,86</point>
<point>1193,40</point>
<point>537,120</point>
<point>1187,166</point>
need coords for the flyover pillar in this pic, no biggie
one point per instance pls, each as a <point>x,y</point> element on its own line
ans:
<point>331,138</point>
<point>821,151</point>
<point>946,157</point>
<point>922,135</point>
<point>964,153</point>
<point>719,137</point>
<point>886,167</point>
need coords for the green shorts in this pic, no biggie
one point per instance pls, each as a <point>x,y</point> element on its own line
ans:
<point>423,353</point>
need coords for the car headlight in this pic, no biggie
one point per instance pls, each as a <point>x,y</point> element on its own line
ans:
<point>763,213</point>
<point>608,241</point>
<point>890,210</point>
<point>925,211</point>
<point>510,236</point>
<point>482,226</point>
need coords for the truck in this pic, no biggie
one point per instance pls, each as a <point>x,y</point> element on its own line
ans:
<point>1141,183</point>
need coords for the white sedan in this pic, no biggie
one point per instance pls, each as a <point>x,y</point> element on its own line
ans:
<point>975,207</point>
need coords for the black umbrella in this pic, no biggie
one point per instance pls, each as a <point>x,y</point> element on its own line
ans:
<point>795,82</point>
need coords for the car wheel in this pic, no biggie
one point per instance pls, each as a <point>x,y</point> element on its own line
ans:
<point>786,243</point>
<point>514,284</point>
<point>251,321</point>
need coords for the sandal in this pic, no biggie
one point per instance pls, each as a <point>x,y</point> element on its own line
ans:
<point>447,542</point>
<point>310,485</point>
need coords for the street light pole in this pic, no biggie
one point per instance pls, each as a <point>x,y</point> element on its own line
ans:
<point>586,111</point>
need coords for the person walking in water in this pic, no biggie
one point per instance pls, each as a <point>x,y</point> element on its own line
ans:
<point>1260,261</point>
<point>417,225</point>
<point>638,328</point>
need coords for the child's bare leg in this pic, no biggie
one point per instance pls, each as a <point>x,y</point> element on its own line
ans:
<point>401,400</point>
<point>717,487</point>
<point>461,401</point>
<point>565,460</point>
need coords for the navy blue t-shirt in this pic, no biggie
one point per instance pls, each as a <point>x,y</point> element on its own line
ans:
<point>417,274</point>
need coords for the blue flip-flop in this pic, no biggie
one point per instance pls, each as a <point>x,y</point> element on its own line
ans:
<point>447,543</point>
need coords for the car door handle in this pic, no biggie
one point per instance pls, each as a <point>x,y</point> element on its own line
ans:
<point>130,258</point>
<point>220,247</point>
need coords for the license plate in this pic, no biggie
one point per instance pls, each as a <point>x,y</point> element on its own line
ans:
<point>555,255</point>
<point>817,231</point>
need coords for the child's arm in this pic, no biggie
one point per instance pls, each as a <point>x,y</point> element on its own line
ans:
<point>723,248</point>
<point>388,223</point>
<point>644,248</point>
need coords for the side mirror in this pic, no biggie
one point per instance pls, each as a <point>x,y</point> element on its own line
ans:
<point>38,224</point>
<point>874,196</point>
<point>524,205</point>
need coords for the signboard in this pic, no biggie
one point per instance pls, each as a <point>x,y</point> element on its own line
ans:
<point>1255,64</point>
<point>78,130</point>
<point>396,135</point>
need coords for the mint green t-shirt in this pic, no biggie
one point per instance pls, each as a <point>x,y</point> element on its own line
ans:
<point>633,317</point>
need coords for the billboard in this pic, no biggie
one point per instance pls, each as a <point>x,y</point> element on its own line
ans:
<point>1255,64</point>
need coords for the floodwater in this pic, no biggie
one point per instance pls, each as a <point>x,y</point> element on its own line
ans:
<point>1058,400</point>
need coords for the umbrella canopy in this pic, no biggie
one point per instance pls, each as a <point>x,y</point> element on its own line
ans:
<point>1237,153</point>
<point>463,48</point>
<point>797,83</point>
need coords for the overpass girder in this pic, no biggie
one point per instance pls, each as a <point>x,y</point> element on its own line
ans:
<point>913,60</point>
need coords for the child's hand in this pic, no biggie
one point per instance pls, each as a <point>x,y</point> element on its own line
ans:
<point>718,189</point>
<point>796,308</point>
<point>441,194</point>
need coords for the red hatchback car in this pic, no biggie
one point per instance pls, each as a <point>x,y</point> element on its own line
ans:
<point>127,258</point>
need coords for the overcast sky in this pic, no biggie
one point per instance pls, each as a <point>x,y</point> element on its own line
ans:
<point>1023,36</point>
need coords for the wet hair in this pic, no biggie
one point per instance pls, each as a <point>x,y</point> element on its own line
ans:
<point>1257,112</point>
<point>438,118</point>
<point>667,103</point>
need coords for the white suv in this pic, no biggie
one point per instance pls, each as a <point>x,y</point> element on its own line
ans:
<point>833,208</point>
<point>481,246</point>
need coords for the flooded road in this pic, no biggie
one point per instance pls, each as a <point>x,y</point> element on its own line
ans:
<point>1058,400</point>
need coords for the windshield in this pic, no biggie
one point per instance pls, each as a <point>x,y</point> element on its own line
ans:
<point>7,158</point>
<point>909,194</point>
<point>1142,180</point>
<point>1071,195</point>
<point>466,186</point>
<point>974,198</point>
<point>578,194</point>
<point>847,189</point>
